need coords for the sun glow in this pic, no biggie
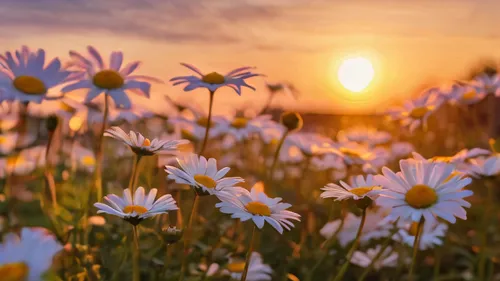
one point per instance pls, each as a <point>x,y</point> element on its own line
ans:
<point>355,74</point>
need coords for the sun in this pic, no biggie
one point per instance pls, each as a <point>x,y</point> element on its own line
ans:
<point>355,74</point>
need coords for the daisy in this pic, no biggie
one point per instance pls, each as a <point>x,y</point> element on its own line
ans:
<point>256,205</point>
<point>114,80</point>
<point>311,144</point>
<point>328,161</point>
<point>424,189</point>
<point>138,208</point>
<point>488,82</point>
<point>234,79</point>
<point>431,236</point>
<point>25,78</point>
<point>354,153</point>
<point>141,145</point>
<point>388,258</point>
<point>203,175</point>
<point>401,150</point>
<point>83,158</point>
<point>484,166</point>
<point>257,269</point>
<point>415,113</point>
<point>369,136</point>
<point>465,94</point>
<point>374,227</point>
<point>28,256</point>
<point>242,128</point>
<point>359,188</point>
<point>8,142</point>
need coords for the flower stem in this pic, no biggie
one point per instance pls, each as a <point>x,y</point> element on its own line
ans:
<point>136,271</point>
<point>99,150</point>
<point>49,177</point>
<point>208,125</point>
<point>416,246</point>
<point>386,244</point>
<point>249,253</point>
<point>277,154</point>
<point>135,174</point>
<point>484,234</point>
<point>354,247</point>
<point>187,236</point>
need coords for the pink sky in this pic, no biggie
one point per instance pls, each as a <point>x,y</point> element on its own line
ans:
<point>300,41</point>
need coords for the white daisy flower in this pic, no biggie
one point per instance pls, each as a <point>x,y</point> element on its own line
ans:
<point>311,144</point>
<point>354,153</point>
<point>26,161</point>
<point>194,123</point>
<point>25,78</point>
<point>415,113</point>
<point>328,161</point>
<point>83,158</point>
<point>484,166</point>
<point>93,74</point>
<point>424,189</point>
<point>256,205</point>
<point>366,135</point>
<point>401,150</point>
<point>489,83</point>
<point>138,208</point>
<point>242,128</point>
<point>199,173</point>
<point>359,188</point>
<point>141,145</point>
<point>234,79</point>
<point>465,94</point>
<point>28,256</point>
<point>431,235</point>
<point>257,269</point>
<point>8,142</point>
<point>373,228</point>
<point>387,259</point>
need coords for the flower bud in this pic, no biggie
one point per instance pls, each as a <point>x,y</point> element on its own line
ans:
<point>292,121</point>
<point>171,234</point>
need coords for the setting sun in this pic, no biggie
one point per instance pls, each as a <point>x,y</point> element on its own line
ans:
<point>355,74</point>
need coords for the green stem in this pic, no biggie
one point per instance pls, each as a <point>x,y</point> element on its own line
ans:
<point>99,150</point>
<point>416,246</point>
<point>354,247</point>
<point>49,177</point>
<point>208,125</point>
<point>249,253</point>
<point>386,244</point>
<point>136,270</point>
<point>133,178</point>
<point>277,154</point>
<point>484,234</point>
<point>187,236</point>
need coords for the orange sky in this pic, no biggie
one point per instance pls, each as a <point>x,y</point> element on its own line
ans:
<point>300,41</point>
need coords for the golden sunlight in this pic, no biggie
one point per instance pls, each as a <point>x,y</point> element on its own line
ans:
<point>355,74</point>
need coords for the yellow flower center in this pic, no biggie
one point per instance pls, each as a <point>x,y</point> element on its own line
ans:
<point>421,196</point>
<point>413,229</point>
<point>205,180</point>
<point>469,95</point>
<point>419,112</point>
<point>29,85</point>
<point>75,123</point>
<point>258,208</point>
<point>361,191</point>
<point>135,208</point>
<point>203,121</point>
<point>108,79</point>
<point>15,160</point>
<point>17,271</point>
<point>239,123</point>
<point>146,142</point>
<point>444,159</point>
<point>3,139</point>
<point>185,134</point>
<point>350,152</point>
<point>236,267</point>
<point>88,160</point>
<point>213,78</point>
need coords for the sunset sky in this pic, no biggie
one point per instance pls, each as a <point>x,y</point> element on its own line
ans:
<point>410,43</point>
